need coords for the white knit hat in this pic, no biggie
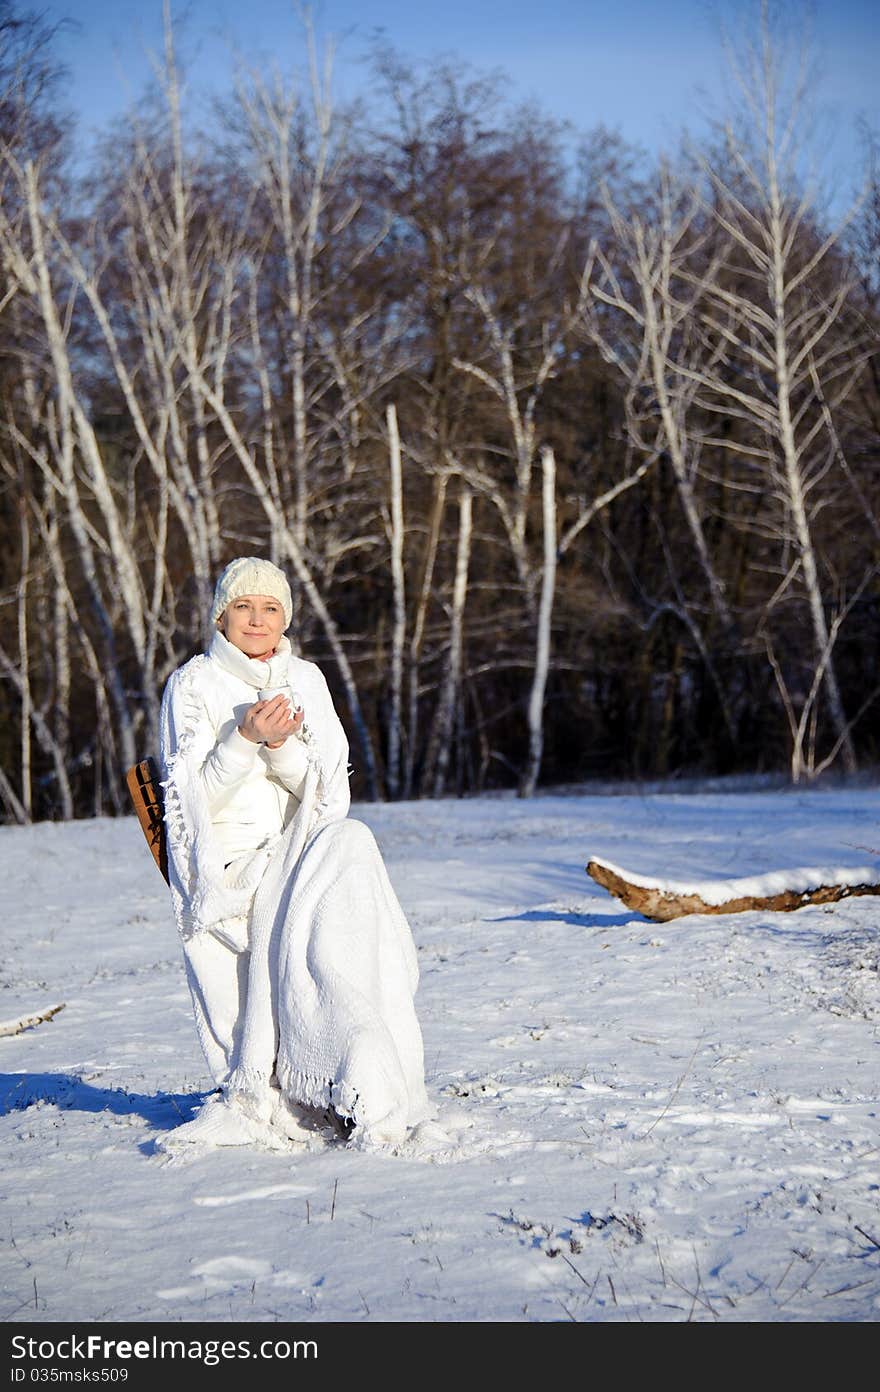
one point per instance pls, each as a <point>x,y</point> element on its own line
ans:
<point>249,575</point>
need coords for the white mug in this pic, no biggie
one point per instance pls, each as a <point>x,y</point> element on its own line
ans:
<point>292,696</point>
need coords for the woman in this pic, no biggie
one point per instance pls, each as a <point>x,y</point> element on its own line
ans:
<point>300,961</point>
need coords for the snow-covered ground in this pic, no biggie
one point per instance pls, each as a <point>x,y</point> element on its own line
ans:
<point>650,1122</point>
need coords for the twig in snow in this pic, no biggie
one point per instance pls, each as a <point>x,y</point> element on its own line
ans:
<point>333,1204</point>
<point>14,1245</point>
<point>27,1022</point>
<point>630,1298</point>
<point>693,1307</point>
<point>12,1313</point>
<point>785,1273</point>
<point>871,1239</point>
<point>577,1273</point>
<point>611,1284</point>
<point>695,1296</point>
<point>803,1285</point>
<point>660,1259</point>
<point>700,1286</point>
<point>675,1090</point>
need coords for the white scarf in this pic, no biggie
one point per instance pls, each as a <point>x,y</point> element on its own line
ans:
<point>262,675</point>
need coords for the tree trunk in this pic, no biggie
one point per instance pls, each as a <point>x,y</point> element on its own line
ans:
<point>418,629</point>
<point>543,637</point>
<point>398,630</point>
<point>24,659</point>
<point>451,696</point>
<point>664,903</point>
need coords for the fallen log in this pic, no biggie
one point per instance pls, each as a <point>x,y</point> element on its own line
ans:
<point>28,1021</point>
<point>666,900</point>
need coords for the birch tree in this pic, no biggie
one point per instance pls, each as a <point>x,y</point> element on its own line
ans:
<point>663,277</point>
<point>785,344</point>
<point>396,530</point>
<point>316,230</point>
<point>526,331</point>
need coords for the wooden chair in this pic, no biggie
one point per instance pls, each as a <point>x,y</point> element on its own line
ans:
<point>145,790</point>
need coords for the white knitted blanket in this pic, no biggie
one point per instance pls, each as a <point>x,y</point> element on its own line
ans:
<point>327,1016</point>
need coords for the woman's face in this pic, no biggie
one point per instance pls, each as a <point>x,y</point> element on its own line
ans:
<point>253,623</point>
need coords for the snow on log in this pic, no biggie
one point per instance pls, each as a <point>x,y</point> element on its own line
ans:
<point>28,1021</point>
<point>780,891</point>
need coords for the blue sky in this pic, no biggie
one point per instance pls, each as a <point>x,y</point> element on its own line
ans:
<point>646,67</point>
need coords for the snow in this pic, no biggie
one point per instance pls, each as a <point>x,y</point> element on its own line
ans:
<point>646,1122</point>
<point>797,880</point>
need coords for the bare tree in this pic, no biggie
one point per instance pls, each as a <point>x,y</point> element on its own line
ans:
<point>665,276</point>
<point>779,321</point>
<point>520,352</point>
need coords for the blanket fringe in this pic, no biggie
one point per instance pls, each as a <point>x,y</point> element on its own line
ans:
<point>251,1088</point>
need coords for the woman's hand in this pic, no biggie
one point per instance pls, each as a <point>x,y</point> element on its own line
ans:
<point>270,722</point>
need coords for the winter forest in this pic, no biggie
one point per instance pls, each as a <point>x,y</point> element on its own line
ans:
<point>571,455</point>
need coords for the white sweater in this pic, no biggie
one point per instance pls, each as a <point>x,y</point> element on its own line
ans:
<point>253,792</point>
<point>229,801</point>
